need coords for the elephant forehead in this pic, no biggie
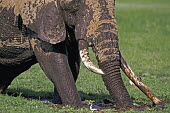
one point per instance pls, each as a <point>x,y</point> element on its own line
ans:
<point>103,14</point>
<point>29,9</point>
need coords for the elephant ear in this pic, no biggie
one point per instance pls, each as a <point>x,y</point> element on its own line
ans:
<point>51,27</point>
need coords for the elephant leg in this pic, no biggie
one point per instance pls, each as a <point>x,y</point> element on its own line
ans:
<point>73,60</point>
<point>5,79</point>
<point>54,62</point>
<point>8,73</point>
<point>74,63</point>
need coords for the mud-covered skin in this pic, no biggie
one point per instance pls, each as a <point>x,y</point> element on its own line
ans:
<point>17,55</point>
<point>38,15</point>
<point>92,21</point>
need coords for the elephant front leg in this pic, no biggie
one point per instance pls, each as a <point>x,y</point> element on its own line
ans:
<point>54,62</point>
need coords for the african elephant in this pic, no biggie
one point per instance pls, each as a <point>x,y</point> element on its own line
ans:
<point>56,33</point>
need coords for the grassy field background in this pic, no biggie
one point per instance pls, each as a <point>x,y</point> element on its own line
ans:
<point>144,39</point>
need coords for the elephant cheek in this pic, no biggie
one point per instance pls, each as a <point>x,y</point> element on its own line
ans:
<point>114,83</point>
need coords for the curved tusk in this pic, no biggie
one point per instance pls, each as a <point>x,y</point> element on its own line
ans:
<point>130,74</point>
<point>88,63</point>
<point>84,55</point>
<point>124,67</point>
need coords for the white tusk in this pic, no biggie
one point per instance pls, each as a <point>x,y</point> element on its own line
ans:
<point>125,66</point>
<point>84,54</point>
<point>131,72</point>
<point>136,80</point>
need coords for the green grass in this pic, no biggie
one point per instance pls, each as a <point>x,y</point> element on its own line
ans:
<point>144,30</point>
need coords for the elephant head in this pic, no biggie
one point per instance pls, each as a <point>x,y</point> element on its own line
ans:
<point>96,27</point>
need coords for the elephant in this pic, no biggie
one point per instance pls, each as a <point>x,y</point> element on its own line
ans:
<point>56,34</point>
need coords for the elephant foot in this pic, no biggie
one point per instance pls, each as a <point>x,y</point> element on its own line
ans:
<point>56,97</point>
<point>108,104</point>
<point>56,100</point>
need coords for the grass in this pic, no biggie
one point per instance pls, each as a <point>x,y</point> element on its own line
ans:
<point>144,30</point>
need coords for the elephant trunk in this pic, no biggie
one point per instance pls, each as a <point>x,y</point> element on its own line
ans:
<point>114,83</point>
<point>108,56</point>
<point>103,37</point>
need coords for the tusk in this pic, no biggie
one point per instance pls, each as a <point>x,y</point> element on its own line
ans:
<point>124,67</point>
<point>130,74</point>
<point>88,63</point>
<point>84,55</point>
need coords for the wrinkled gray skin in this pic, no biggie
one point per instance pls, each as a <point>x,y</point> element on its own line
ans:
<point>52,40</point>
